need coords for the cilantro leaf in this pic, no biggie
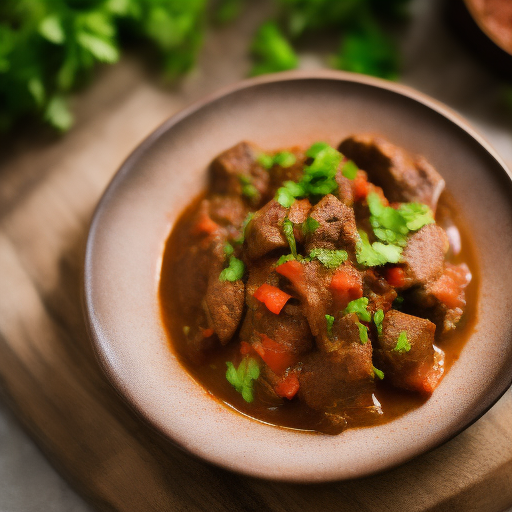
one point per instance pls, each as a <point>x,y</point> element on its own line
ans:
<point>283,159</point>
<point>290,237</point>
<point>265,160</point>
<point>402,344</point>
<point>272,50</point>
<point>242,378</point>
<point>329,258</point>
<point>358,306</point>
<point>378,373</point>
<point>416,215</point>
<point>376,254</point>
<point>363,333</point>
<point>234,271</point>
<point>316,148</point>
<point>309,226</point>
<point>330,321</point>
<point>248,189</point>
<point>285,258</point>
<point>288,192</point>
<point>228,249</point>
<point>349,170</point>
<point>378,318</point>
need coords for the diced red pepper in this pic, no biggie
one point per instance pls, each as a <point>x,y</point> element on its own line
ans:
<point>207,333</point>
<point>360,186</point>
<point>447,291</point>
<point>346,286</point>
<point>275,355</point>
<point>288,386</point>
<point>396,277</point>
<point>205,225</point>
<point>292,270</point>
<point>272,297</point>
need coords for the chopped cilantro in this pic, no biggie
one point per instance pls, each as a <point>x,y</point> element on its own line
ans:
<point>378,318</point>
<point>242,378</point>
<point>248,189</point>
<point>329,258</point>
<point>228,249</point>
<point>402,344</point>
<point>234,271</point>
<point>330,321</point>
<point>358,307</point>
<point>376,254</point>
<point>265,160</point>
<point>284,159</point>
<point>416,215</point>
<point>290,237</point>
<point>245,223</point>
<point>284,258</point>
<point>284,197</point>
<point>397,303</point>
<point>349,170</point>
<point>363,333</point>
<point>378,373</point>
<point>309,226</point>
<point>315,148</point>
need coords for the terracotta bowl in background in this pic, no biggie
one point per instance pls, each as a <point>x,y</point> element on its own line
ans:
<point>139,208</point>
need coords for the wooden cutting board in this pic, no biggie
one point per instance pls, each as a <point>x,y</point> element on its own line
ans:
<point>48,372</point>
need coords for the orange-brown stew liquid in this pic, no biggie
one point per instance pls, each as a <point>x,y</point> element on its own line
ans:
<point>211,374</point>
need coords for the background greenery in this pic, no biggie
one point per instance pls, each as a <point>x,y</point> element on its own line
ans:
<point>49,47</point>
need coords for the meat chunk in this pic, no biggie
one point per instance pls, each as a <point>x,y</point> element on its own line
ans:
<point>278,174</point>
<point>229,211</point>
<point>345,191</point>
<point>340,384</point>
<point>265,233</point>
<point>236,167</point>
<point>424,254</point>
<point>337,229</point>
<point>224,300</point>
<point>299,212</point>
<point>416,365</point>
<point>403,177</point>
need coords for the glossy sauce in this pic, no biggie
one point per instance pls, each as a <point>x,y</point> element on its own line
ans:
<point>293,414</point>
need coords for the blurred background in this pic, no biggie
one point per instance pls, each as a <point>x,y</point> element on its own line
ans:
<point>82,82</point>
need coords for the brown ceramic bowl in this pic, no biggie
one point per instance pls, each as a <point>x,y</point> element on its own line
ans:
<point>139,208</point>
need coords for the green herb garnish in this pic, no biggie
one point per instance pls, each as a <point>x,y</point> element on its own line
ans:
<point>234,271</point>
<point>330,258</point>
<point>378,373</point>
<point>398,302</point>
<point>228,249</point>
<point>290,237</point>
<point>358,307</point>
<point>378,318</point>
<point>284,258</point>
<point>283,159</point>
<point>349,170</point>
<point>309,226</point>
<point>330,321</point>
<point>242,378</point>
<point>376,254</point>
<point>248,189</point>
<point>363,333</point>
<point>416,215</point>
<point>402,344</point>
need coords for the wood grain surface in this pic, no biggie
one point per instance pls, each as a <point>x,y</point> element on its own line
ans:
<point>48,372</point>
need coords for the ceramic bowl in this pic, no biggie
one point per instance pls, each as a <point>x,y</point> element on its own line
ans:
<point>138,210</point>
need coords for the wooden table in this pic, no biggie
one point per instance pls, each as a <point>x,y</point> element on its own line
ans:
<point>48,373</point>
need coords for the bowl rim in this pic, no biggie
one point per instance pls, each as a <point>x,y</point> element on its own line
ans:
<point>100,346</point>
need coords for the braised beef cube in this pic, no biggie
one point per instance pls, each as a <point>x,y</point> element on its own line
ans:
<point>237,168</point>
<point>228,211</point>
<point>298,214</point>
<point>410,361</point>
<point>265,231</point>
<point>424,254</point>
<point>378,291</point>
<point>345,192</point>
<point>224,305</point>
<point>344,331</point>
<point>339,382</point>
<point>337,229</point>
<point>404,178</point>
<point>265,387</point>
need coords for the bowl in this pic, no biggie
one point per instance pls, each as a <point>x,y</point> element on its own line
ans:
<point>137,212</point>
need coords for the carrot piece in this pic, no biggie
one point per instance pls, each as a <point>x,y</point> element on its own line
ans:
<point>292,270</point>
<point>360,186</point>
<point>395,276</point>
<point>275,355</point>
<point>207,333</point>
<point>272,297</point>
<point>287,387</point>
<point>346,286</point>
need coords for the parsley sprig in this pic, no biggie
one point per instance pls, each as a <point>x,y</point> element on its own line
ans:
<point>402,343</point>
